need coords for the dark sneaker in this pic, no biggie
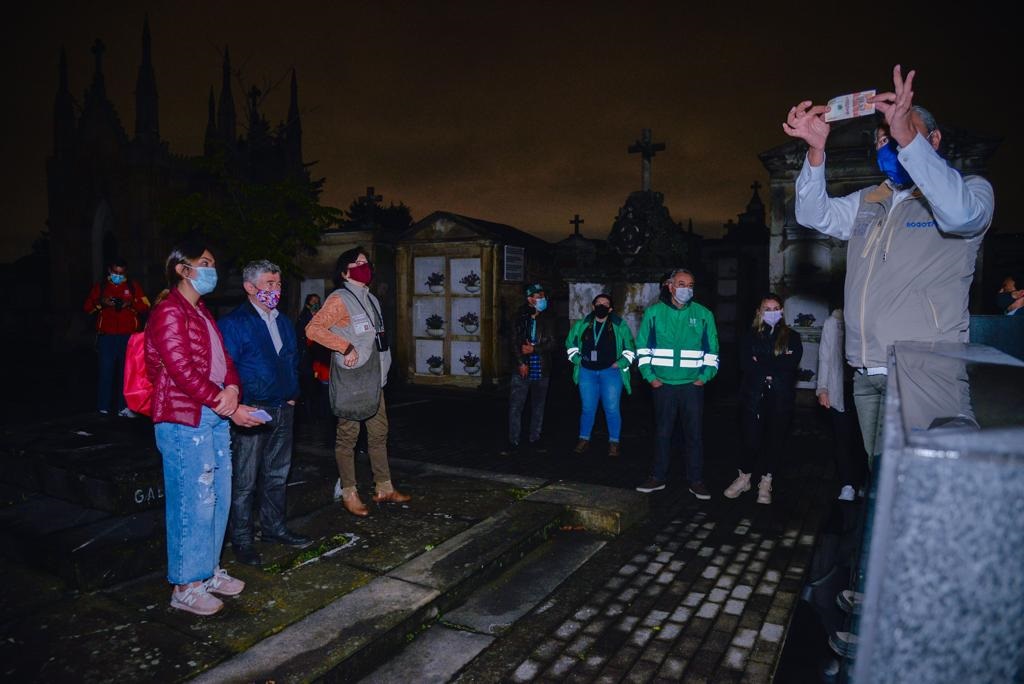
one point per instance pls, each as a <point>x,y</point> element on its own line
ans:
<point>700,491</point>
<point>287,538</point>
<point>650,485</point>
<point>512,449</point>
<point>248,555</point>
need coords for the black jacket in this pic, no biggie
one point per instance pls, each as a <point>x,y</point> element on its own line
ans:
<point>759,361</point>
<point>522,325</point>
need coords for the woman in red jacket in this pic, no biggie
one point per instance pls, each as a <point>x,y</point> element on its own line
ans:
<point>195,392</point>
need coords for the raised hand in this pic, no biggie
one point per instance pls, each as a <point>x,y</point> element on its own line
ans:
<point>807,122</point>
<point>896,107</point>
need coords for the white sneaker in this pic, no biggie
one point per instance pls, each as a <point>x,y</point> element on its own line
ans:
<point>126,413</point>
<point>850,601</point>
<point>847,493</point>
<point>337,490</point>
<point>739,485</point>
<point>764,490</point>
<point>844,644</point>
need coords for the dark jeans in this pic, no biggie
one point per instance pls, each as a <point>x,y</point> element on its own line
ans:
<point>518,390</point>
<point>110,381</point>
<point>682,405</point>
<point>261,455</point>
<point>850,460</point>
<point>765,424</point>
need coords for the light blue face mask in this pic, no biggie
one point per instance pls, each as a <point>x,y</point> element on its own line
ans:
<point>541,304</point>
<point>205,280</point>
<point>683,294</point>
<point>117,278</point>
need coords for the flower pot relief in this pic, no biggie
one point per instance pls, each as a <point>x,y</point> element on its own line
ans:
<point>435,364</point>
<point>435,325</point>
<point>470,363</point>
<point>471,282</point>
<point>435,282</point>
<point>470,322</point>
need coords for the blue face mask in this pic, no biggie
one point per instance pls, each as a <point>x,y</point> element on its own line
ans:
<point>205,280</point>
<point>117,278</point>
<point>540,304</point>
<point>889,164</point>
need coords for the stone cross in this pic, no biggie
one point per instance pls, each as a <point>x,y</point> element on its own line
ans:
<point>371,200</point>
<point>647,150</point>
<point>576,221</point>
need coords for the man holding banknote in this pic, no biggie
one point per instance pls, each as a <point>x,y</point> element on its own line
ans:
<point>912,241</point>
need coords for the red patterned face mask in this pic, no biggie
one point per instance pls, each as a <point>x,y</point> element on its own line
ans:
<point>361,273</point>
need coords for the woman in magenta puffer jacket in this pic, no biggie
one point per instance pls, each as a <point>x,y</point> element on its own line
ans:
<point>195,393</point>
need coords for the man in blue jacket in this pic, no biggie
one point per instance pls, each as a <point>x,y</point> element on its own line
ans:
<point>263,346</point>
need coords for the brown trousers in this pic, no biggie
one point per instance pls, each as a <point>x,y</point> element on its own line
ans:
<point>376,443</point>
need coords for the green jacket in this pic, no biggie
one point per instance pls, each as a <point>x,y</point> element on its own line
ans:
<point>625,348</point>
<point>677,346</point>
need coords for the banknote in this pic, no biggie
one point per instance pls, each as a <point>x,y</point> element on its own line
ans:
<point>850,106</point>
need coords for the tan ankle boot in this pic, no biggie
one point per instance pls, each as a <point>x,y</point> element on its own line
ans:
<point>354,505</point>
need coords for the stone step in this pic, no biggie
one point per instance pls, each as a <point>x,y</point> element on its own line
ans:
<point>90,548</point>
<point>355,633</point>
<point>447,646</point>
<point>478,574</point>
<point>335,610</point>
<point>104,463</point>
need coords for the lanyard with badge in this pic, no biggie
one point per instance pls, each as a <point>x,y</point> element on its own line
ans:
<point>377,320</point>
<point>597,338</point>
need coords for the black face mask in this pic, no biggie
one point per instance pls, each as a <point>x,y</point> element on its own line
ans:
<point>1004,300</point>
<point>602,311</point>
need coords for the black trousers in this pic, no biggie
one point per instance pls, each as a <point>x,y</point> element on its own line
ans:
<point>765,420</point>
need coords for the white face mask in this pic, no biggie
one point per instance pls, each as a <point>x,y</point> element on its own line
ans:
<point>772,318</point>
<point>683,294</point>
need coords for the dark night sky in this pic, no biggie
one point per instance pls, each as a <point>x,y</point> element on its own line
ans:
<point>518,113</point>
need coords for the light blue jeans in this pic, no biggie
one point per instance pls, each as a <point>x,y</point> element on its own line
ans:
<point>197,490</point>
<point>604,386</point>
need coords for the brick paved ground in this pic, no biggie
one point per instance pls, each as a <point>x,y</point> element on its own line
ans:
<point>708,590</point>
<point>707,599</point>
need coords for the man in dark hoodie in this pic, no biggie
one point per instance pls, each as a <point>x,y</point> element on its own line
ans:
<point>533,339</point>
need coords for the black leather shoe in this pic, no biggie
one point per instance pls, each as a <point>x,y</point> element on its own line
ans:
<point>248,555</point>
<point>288,538</point>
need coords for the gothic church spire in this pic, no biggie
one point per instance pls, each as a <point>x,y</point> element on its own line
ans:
<point>147,113</point>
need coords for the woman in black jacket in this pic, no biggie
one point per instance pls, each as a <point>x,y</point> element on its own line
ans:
<point>769,358</point>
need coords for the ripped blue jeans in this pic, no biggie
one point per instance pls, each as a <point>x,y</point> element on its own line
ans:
<point>197,490</point>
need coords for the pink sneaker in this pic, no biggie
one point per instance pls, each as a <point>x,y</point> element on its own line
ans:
<point>195,599</point>
<point>224,584</point>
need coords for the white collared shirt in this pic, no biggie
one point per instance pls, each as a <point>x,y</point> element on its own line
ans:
<point>270,318</point>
